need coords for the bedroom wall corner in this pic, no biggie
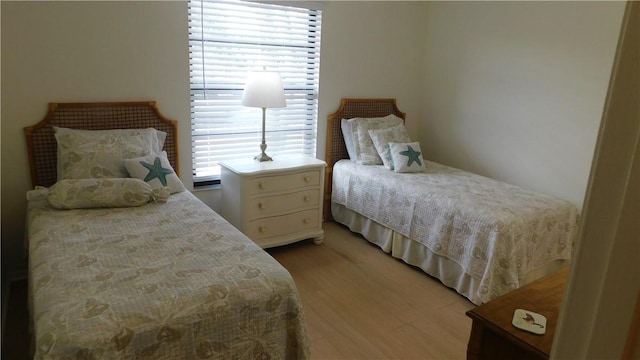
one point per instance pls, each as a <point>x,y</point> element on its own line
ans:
<point>84,52</point>
<point>515,90</point>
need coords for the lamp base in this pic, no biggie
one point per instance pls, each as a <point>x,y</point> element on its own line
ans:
<point>263,146</point>
<point>263,157</point>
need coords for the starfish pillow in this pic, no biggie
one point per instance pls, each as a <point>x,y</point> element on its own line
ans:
<point>407,157</point>
<point>155,170</point>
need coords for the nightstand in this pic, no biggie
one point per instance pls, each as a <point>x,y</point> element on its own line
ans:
<point>274,202</point>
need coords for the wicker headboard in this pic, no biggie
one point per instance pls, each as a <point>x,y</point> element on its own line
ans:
<point>336,149</point>
<point>42,146</point>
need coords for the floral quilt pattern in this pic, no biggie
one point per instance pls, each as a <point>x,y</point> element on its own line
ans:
<point>497,232</point>
<point>160,281</point>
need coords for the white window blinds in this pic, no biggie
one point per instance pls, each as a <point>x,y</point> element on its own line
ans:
<point>228,39</point>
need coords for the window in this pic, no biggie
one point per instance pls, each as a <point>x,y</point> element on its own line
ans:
<point>228,39</point>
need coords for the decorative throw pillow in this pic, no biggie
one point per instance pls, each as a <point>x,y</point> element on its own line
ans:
<point>156,170</point>
<point>364,148</point>
<point>381,139</point>
<point>84,154</point>
<point>347,135</point>
<point>407,157</point>
<point>98,193</point>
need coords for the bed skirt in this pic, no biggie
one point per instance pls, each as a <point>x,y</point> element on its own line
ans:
<point>414,253</point>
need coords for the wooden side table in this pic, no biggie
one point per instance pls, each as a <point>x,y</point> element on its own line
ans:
<point>274,202</point>
<point>494,337</point>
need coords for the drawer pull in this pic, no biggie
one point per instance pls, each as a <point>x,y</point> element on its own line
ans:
<point>262,185</point>
<point>305,221</point>
<point>306,199</point>
<point>262,206</point>
<point>262,229</point>
<point>307,179</point>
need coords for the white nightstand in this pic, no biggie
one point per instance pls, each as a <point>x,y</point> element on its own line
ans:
<point>274,202</point>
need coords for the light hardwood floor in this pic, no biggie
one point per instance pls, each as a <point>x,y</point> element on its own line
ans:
<point>361,303</point>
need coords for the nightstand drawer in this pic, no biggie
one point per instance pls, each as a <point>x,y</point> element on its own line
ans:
<point>278,204</point>
<point>291,181</point>
<point>282,225</point>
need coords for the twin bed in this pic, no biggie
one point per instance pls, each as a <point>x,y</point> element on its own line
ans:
<point>477,235</point>
<point>121,270</point>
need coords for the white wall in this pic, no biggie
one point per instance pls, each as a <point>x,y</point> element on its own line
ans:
<point>515,90</point>
<point>372,50</point>
<point>122,50</point>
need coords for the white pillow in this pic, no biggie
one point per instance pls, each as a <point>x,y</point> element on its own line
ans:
<point>381,139</point>
<point>347,135</point>
<point>84,154</point>
<point>98,193</point>
<point>407,157</point>
<point>365,150</point>
<point>156,170</point>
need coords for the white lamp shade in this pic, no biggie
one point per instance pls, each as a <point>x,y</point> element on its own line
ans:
<point>264,90</point>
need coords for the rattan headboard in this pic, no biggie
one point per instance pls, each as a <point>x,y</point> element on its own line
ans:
<point>336,149</point>
<point>41,143</point>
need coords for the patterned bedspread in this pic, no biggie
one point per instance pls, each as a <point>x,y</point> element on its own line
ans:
<point>495,231</point>
<point>160,281</point>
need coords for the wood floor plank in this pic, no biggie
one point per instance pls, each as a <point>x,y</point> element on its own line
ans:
<point>361,303</point>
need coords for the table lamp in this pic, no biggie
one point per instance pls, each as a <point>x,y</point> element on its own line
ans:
<point>264,90</point>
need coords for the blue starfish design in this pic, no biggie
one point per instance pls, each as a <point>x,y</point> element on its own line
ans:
<point>156,171</point>
<point>412,155</point>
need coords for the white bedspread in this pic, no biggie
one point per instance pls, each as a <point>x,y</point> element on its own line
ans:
<point>495,231</point>
<point>160,281</point>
